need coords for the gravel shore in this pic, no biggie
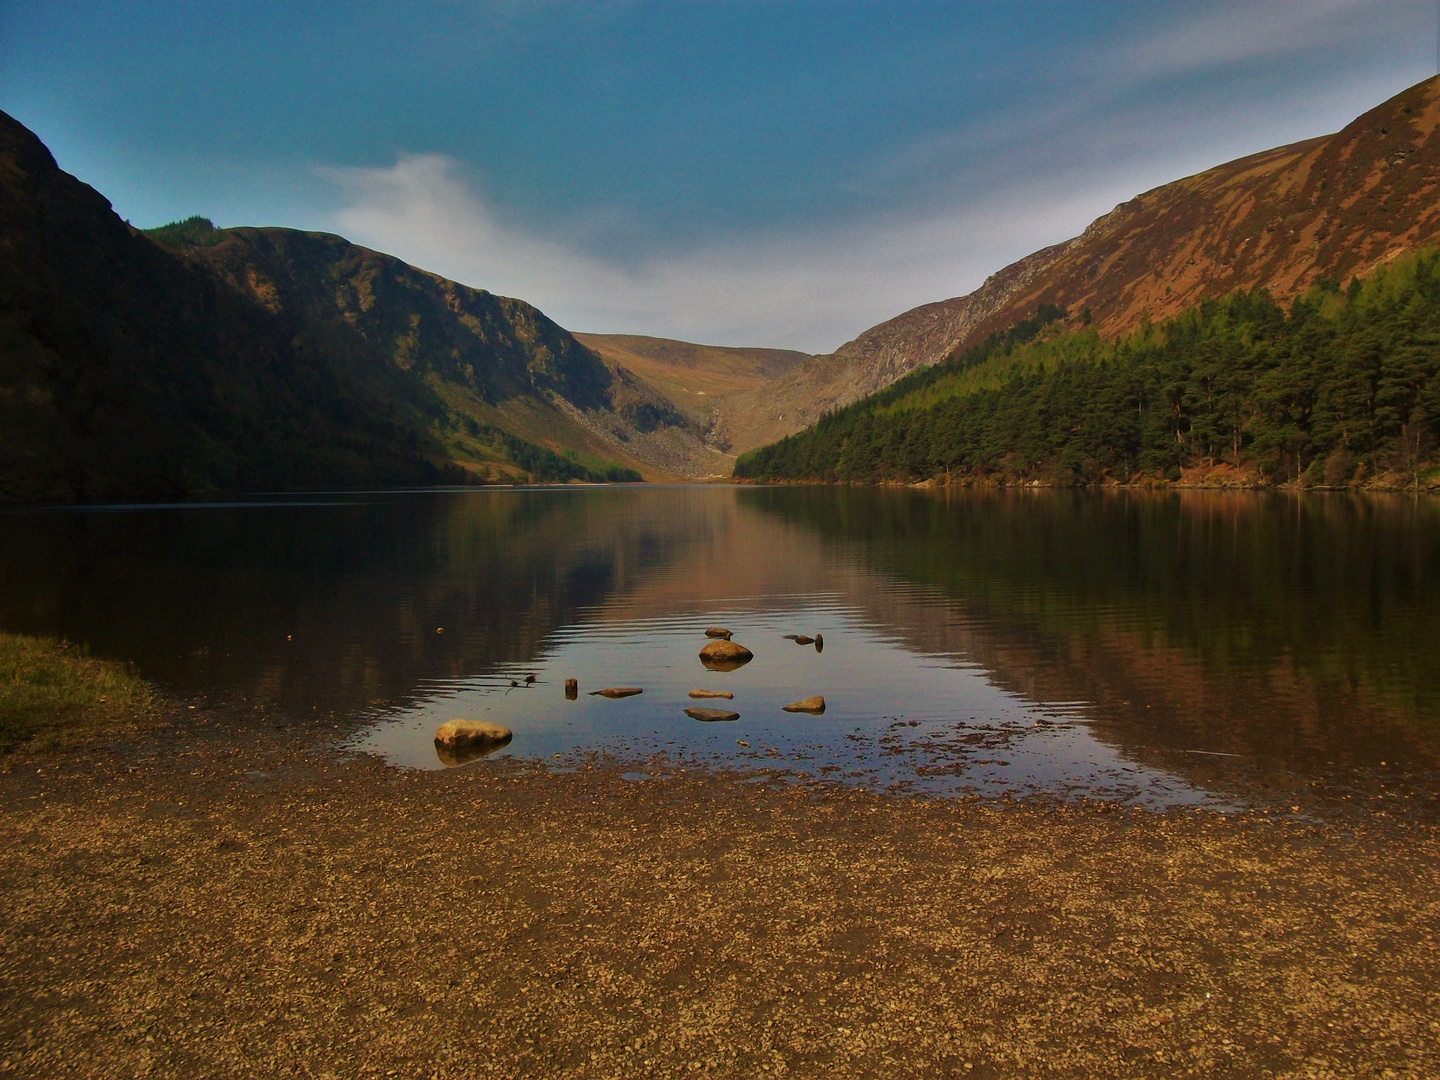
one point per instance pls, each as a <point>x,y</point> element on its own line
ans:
<point>258,905</point>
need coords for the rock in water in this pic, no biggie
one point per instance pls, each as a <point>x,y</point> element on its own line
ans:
<point>617,691</point>
<point>710,716</point>
<point>815,705</point>
<point>801,639</point>
<point>720,632</point>
<point>725,655</point>
<point>572,689</point>
<point>819,643</point>
<point>456,735</point>
<point>711,693</point>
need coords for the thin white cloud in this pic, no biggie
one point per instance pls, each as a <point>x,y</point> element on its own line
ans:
<point>1249,31</point>
<point>806,291</point>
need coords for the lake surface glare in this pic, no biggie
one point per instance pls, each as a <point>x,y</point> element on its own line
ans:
<point>1155,649</point>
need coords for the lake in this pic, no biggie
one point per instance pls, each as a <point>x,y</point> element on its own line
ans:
<point>1157,649</point>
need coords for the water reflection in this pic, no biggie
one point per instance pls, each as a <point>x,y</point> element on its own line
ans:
<point>1123,644</point>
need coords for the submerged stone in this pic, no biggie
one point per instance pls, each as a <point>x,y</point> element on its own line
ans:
<point>710,716</point>
<point>617,691</point>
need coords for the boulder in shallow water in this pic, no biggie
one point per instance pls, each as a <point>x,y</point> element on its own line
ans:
<point>711,693</point>
<point>456,735</point>
<point>814,705</point>
<point>617,691</point>
<point>717,631</point>
<point>819,642</point>
<point>710,716</point>
<point>801,639</point>
<point>572,689</point>
<point>725,655</point>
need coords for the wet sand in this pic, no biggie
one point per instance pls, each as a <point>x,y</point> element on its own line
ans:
<point>255,905</point>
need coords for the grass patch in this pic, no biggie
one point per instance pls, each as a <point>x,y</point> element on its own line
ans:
<point>54,695</point>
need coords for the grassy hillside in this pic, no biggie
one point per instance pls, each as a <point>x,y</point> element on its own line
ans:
<point>1340,389</point>
<point>693,376</point>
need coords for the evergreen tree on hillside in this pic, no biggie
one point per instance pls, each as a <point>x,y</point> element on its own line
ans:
<point>1340,387</point>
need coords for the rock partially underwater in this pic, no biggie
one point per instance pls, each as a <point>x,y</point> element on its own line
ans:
<point>725,655</point>
<point>459,741</point>
<point>813,705</point>
<point>710,716</point>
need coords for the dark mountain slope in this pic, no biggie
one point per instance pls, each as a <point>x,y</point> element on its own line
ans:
<point>495,362</point>
<point>125,373</point>
<point>1331,207</point>
<point>254,359</point>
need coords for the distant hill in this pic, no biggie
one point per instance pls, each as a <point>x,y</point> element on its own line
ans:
<point>696,379</point>
<point>1328,208</point>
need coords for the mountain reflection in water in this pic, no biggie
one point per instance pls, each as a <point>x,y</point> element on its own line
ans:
<point>1129,645</point>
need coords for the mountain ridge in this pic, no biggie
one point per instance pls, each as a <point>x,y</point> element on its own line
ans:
<point>190,359</point>
<point>1332,206</point>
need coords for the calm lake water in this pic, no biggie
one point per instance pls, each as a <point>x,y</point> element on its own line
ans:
<point>1159,649</point>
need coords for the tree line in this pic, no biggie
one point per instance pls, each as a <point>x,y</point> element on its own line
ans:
<point>1335,390</point>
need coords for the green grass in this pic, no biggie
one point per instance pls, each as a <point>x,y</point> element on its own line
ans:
<point>53,695</point>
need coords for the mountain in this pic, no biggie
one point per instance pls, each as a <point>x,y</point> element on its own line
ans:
<point>191,359</point>
<point>1327,208</point>
<point>1341,388</point>
<point>490,364</point>
<point>697,379</point>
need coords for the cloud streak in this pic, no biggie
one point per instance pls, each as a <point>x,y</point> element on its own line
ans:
<point>804,290</point>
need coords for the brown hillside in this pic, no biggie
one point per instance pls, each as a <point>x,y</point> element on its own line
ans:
<point>1335,206</point>
<point>696,379</point>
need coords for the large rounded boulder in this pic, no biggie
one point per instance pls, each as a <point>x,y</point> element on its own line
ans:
<point>725,655</point>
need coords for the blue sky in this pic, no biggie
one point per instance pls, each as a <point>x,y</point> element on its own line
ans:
<point>736,171</point>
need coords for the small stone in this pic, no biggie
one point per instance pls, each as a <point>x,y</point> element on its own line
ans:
<point>801,639</point>
<point>814,705</point>
<point>718,632</point>
<point>572,689</point>
<point>617,691</point>
<point>711,693</point>
<point>710,716</point>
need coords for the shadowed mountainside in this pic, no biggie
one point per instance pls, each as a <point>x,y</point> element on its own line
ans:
<point>1327,208</point>
<point>125,374</point>
<point>193,359</point>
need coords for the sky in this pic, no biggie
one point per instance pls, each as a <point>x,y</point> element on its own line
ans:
<point>740,172</point>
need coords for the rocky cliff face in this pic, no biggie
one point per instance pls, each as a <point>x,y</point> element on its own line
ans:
<point>1334,207</point>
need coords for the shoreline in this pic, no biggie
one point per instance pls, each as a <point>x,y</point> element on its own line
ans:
<point>242,899</point>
